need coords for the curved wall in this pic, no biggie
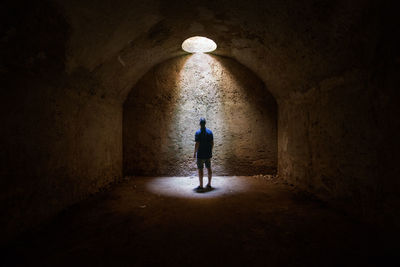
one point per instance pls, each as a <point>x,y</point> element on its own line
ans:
<point>162,113</point>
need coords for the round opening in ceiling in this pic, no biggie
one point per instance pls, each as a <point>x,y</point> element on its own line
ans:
<point>199,44</point>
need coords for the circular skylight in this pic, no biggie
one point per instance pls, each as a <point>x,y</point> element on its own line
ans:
<point>199,44</point>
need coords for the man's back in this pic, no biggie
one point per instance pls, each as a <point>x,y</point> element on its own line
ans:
<point>205,138</point>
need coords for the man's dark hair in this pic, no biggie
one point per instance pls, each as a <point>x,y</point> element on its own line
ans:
<point>202,121</point>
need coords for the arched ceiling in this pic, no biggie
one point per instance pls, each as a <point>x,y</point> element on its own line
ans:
<point>290,45</point>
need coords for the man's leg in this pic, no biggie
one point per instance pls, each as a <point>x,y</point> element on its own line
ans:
<point>209,171</point>
<point>200,165</point>
<point>201,177</point>
<point>209,176</point>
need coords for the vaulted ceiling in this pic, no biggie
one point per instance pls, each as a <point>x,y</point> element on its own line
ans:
<point>290,45</point>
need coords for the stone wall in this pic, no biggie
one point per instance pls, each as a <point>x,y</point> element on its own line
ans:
<point>338,139</point>
<point>162,114</point>
<point>60,149</point>
<point>335,142</point>
<point>61,140</point>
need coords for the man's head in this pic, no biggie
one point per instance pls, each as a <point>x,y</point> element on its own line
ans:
<point>202,122</point>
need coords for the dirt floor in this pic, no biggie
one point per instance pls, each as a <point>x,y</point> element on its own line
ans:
<point>243,221</point>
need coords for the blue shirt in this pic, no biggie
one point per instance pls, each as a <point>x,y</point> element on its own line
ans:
<point>205,138</point>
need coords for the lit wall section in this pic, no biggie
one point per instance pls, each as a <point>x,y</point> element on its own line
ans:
<point>161,115</point>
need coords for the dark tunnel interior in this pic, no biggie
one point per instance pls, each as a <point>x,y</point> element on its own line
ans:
<point>99,106</point>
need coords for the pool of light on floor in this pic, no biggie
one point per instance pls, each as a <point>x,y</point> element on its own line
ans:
<point>184,187</point>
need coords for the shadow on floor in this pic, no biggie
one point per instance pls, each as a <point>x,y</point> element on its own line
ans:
<point>204,190</point>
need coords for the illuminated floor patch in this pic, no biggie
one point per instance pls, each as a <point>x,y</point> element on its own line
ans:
<point>184,187</point>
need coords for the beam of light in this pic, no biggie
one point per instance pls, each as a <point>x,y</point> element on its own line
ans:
<point>201,95</point>
<point>198,44</point>
<point>166,110</point>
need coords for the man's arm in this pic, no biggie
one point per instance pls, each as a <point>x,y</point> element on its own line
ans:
<point>196,147</point>
<point>212,141</point>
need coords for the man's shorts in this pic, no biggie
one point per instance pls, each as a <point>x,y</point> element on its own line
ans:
<point>200,163</point>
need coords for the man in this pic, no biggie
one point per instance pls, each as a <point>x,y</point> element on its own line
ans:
<point>203,152</point>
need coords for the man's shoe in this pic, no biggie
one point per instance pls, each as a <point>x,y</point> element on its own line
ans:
<point>208,186</point>
<point>199,189</point>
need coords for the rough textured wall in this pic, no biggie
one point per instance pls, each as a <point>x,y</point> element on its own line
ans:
<point>334,142</point>
<point>338,139</point>
<point>162,114</point>
<point>328,139</point>
<point>60,140</point>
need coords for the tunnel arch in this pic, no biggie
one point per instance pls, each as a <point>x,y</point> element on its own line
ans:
<point>288,56</point>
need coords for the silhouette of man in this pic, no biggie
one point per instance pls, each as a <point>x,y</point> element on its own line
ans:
<point>203,152</point>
